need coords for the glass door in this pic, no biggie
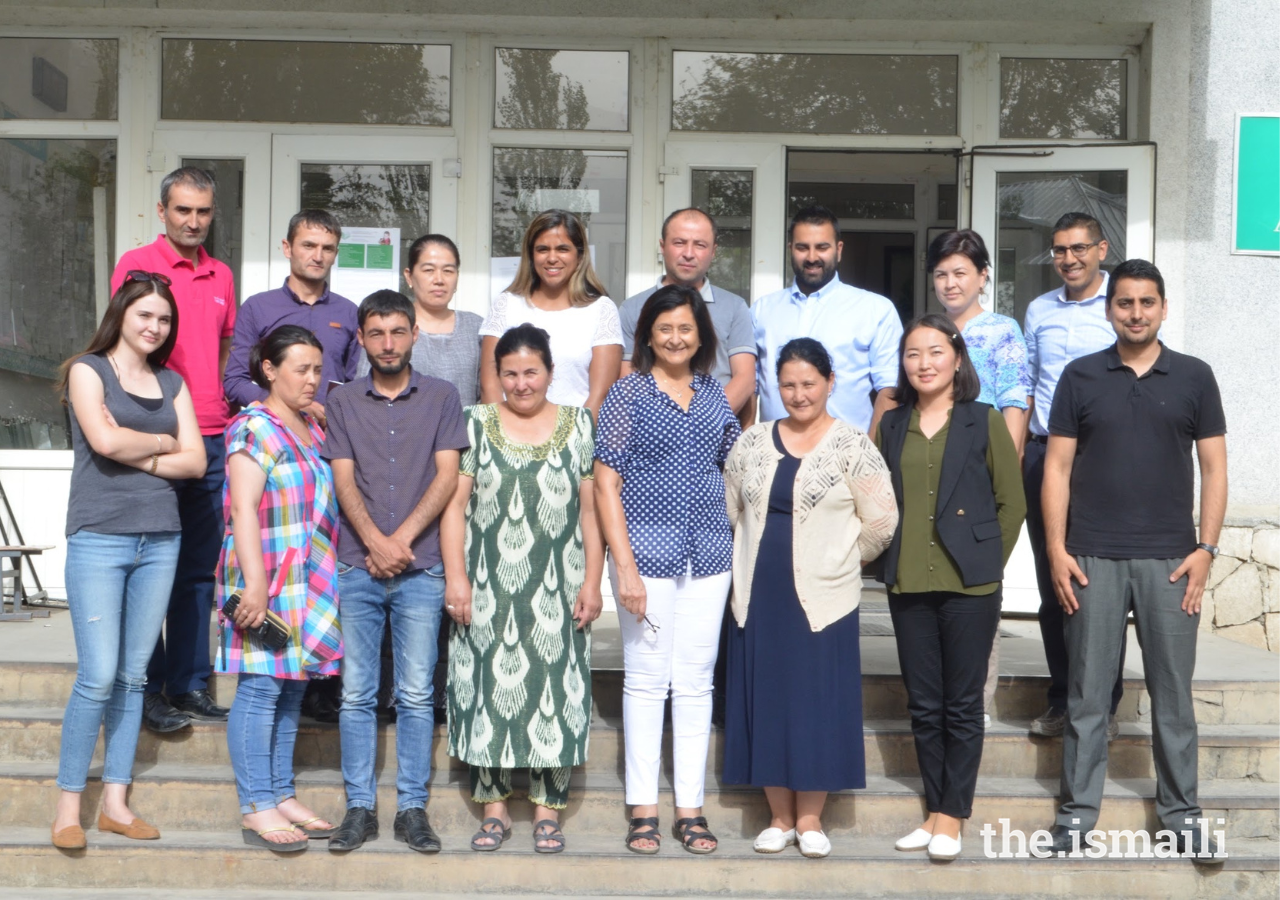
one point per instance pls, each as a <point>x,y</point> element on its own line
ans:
<point>386,192</point>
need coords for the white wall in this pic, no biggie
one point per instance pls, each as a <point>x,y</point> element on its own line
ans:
<point>38,484</point>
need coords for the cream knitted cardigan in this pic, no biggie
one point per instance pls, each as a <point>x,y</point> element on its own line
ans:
<point>844,511</point>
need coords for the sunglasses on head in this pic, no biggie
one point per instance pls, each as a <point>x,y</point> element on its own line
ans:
<point>139,275</point>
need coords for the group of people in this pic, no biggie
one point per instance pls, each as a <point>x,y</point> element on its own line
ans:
<point>399,465</point>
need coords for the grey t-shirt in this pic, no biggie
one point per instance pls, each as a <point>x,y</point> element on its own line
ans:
<point>108,497</point>
<point>730,317</point>
<point>454,357</point>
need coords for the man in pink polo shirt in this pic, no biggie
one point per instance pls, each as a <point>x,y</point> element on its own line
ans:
<point>205,291</point>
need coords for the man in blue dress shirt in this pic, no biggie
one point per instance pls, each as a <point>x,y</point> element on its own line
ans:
<point>860,330</point>
<point>1062,325</point>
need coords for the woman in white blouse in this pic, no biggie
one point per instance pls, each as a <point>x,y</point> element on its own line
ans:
<point>556,289</point>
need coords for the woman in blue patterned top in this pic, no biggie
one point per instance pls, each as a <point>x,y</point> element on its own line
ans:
<point>665,431</point>
<point>961,270</point>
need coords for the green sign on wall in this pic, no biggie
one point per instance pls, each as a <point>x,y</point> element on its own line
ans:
<point>1257,187</point>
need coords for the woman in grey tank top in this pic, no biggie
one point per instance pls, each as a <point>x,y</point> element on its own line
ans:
<point>133,432</point>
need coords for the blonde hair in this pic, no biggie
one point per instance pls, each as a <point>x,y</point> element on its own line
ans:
<point>584,286</point>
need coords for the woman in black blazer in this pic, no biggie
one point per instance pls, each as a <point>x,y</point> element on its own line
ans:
<point>959,488</point>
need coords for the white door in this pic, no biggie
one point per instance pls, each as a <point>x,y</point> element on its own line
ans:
<point>1018,193</point>
<point>401,187</point>
<point>240,163</point>
<point>743,186</point>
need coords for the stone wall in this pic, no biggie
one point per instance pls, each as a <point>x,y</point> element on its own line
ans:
<point>1242,598</point>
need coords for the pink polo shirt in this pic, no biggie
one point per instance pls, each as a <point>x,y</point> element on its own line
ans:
<point>206,296</point>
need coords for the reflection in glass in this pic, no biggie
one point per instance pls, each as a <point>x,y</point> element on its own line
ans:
<point>561,90</point>
<point>856,200</point>
<point>1054,99</point>
<point>590,183</point>
<point>810,92</point>
<point>57,215</point>
<point>728,195</point>
<point>305,81</point>
<point>59,78</point>
<point>372,196</point>
<point>1030,202</point>
<point>226,235</point>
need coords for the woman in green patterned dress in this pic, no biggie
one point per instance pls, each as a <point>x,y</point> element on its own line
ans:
<point>523,562</point>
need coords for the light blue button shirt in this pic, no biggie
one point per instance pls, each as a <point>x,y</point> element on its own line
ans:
<point>860,330</point>
<point>1057,331</point>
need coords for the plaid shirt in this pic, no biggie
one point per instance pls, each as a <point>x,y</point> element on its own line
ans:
<point>298,517</point>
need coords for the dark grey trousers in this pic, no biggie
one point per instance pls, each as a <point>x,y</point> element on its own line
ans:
<point>1094,635</point>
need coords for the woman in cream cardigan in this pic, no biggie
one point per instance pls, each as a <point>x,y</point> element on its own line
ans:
<point>811,502</point>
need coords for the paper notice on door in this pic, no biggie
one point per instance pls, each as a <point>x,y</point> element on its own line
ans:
<point>502,271</point>
<point>368,261</point>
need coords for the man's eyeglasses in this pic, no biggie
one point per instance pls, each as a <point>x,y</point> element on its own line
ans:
<point>1077,250</point>
<point>139,275</point>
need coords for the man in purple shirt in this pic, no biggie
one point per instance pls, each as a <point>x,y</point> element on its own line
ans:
<point>311,246</point>
<point>395,439</point>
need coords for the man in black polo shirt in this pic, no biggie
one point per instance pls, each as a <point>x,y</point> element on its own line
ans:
<point>1118,498</point>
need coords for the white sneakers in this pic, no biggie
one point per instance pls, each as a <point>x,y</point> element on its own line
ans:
<point>814,844</point>
<point>916,840</point>
<point>774,840</point>
<point>939,845</point>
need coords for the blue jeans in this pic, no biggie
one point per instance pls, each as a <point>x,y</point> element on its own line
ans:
<point>261,732</point>
<point>117,589</point>
<point>181,663</point>
<point>415,601</point>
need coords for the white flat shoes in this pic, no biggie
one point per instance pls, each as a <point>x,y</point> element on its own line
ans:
<point>916,840</point>
<point>774,840</point>
<point>943,847</point>
<point>814,844</point>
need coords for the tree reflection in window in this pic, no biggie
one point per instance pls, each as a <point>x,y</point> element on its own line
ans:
<point>561,90</point>
<point>1056,99</point>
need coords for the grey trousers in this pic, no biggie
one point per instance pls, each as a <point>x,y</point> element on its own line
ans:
<point>1167,636</point>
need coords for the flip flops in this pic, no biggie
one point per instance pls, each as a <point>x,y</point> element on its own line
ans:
<point>258,839</point>
<point>498,834</point>
<point>314,833</point>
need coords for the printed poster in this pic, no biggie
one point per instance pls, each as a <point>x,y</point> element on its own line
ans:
<point>368,261</point>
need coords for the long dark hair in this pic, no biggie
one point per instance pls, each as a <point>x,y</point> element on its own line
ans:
<point>966,386</point>
<point>108,333</point>
<point>665,299</point>
<point>275,347</point>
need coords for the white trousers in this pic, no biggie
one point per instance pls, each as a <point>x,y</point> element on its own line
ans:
<point>679,657</point>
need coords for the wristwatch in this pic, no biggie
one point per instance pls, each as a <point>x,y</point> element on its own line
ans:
<point>1208,548</point>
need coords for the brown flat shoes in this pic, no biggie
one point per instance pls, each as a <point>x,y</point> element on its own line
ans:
<point>69,838</point>
<point>137,830</point>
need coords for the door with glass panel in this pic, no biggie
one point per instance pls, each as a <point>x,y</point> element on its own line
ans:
<point>385,191</point>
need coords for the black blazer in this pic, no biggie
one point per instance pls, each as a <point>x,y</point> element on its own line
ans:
<point>966,509</point>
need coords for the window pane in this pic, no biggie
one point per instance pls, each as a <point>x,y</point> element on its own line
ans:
<point>562,90</point>
<point>856,200</point>
<point>1054,99</point>
<point>56,78</point>
<point>57,218</point>
<point>306,81</point>
<point>226,235</point>
<point>372,196</point>
<point>590,183</point>
<point>728,195</point>
<point>805,92</point>
<point>1030,202</point>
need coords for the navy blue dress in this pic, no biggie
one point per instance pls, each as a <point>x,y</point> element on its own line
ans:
<point>793,715</point>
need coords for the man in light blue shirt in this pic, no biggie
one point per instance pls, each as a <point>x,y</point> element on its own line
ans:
<point>1062,325</point>
<point>860,330</point>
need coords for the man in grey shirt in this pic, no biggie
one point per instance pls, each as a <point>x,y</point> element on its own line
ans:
<point>688,246</point>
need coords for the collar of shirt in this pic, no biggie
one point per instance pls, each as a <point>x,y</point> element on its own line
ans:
<point>415,379</point>
<point>705,290</point>
<point>1114,361</point>
<point>1061,293</point>
<point>203,264</point>
<point>831,287</point>
<point>292,294</point>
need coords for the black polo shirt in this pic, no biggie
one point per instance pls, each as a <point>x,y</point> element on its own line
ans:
<point>1133,480</point>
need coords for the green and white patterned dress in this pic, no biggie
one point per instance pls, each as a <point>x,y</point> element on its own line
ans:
<point>520,673</point>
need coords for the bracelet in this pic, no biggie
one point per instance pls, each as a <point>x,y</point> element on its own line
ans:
<point>155,461</point>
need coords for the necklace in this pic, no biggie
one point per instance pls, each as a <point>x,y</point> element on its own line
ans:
<point>677,385</point>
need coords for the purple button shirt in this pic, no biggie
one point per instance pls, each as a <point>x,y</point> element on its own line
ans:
<point>393,442</point>
<point>333,319</point>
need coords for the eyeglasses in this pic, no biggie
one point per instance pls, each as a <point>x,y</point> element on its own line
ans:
<point>1077,250</point>
<point>139,275</point>
<point>653,626</point>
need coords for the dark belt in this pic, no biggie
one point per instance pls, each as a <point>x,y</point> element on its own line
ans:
<point>1040,438</point>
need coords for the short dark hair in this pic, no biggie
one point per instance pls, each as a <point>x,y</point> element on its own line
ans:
<point>967,243</point>
<point>966,386</point>
<point>813,215</point>
<point>314,218</point>
<point>1135,269</point>
<point>1079,220</point>
<point>386,302</point>
<point>189,176</point>
<point>422,243</point>
<point>275,347</point>
<point>692,210</point>
<point>665,299</point>
<point>805,349</point>
<point>524,337</point>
